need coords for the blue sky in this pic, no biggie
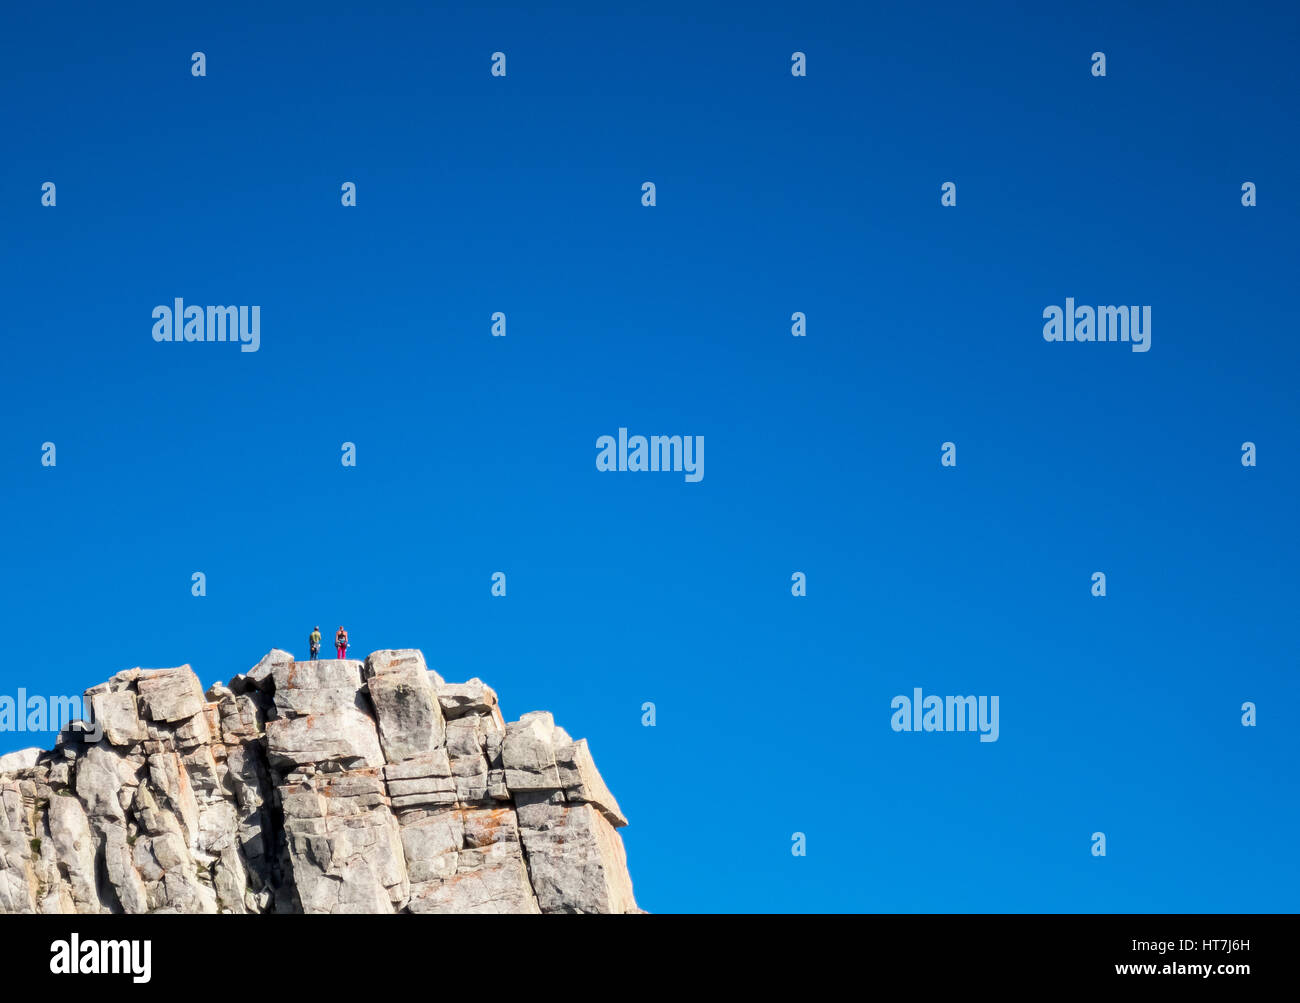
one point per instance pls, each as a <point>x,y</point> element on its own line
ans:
<point>476,454</point>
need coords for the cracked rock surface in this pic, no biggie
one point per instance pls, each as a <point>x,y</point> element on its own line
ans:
<point>334,786</point>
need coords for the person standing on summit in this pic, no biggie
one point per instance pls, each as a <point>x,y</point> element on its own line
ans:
<point>341,642</point>
<point>315,644</point>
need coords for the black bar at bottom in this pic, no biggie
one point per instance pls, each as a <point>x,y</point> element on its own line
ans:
<point>219,954</point>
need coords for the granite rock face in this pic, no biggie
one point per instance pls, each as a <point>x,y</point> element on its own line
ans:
<point>322,787</point>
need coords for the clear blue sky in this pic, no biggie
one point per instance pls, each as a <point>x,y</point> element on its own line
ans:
<point>476,454</point>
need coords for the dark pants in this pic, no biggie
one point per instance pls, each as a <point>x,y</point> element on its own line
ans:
<point>315,652</point>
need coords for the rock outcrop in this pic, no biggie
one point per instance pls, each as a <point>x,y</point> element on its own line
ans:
<point>326,786</point>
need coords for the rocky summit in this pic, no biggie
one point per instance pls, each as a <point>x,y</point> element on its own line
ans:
<point>332,786</point>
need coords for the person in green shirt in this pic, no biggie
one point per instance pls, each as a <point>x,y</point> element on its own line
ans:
<point>315,644</point>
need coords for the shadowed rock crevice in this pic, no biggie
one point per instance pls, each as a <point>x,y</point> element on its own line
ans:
<point>323,787</point>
